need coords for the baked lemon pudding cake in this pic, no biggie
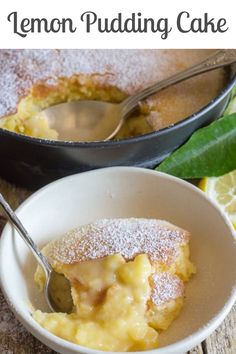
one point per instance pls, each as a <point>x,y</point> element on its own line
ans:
<point>32,80</point>
<point>127,278</point>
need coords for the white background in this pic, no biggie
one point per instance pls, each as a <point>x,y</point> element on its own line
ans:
<point>110,8</point>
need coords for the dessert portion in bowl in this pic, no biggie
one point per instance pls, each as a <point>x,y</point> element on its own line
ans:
<point>127,278</point>
<point>33,80</point>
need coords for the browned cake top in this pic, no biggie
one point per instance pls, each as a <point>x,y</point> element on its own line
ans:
<point>158,239</point>
<point>129,70</point>
<point>166,287</point>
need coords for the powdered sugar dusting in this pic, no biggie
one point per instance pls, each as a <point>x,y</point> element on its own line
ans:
<point>129,70</point>
<point>129,237</point>
<point>166,287</point>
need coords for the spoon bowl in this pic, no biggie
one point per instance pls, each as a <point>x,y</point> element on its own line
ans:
<point>100,121</point>
<point>57,288</point>
<point>58,293</point>
<point>85,120</point>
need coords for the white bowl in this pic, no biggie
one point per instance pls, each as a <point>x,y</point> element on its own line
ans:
<point>126,192</point>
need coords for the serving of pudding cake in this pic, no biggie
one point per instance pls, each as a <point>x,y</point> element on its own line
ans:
<point>127,278</point>
<point>32,80</point>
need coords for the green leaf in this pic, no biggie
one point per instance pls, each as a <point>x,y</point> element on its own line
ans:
<point>231,108</point>
<point>211,151</point>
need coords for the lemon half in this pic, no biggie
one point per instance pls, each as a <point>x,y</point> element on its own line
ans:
<point>223,191</point>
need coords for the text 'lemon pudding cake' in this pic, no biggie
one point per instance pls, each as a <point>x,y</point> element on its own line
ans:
<point>32,80</point>
<point>127,278</point>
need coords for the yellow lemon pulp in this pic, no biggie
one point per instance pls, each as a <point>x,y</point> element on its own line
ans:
<point>223,191</point>
<point>113,306</point>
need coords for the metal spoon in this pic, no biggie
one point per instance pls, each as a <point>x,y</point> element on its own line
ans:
<point>57,289</point>
<point>96,120</point>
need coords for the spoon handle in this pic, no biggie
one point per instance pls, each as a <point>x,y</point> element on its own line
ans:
<point>25,236</point>
<point>217,60</point>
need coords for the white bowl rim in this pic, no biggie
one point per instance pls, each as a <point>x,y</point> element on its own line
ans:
<point>34,328</point>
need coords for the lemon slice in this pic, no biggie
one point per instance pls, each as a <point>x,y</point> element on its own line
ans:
<point>223,191</point>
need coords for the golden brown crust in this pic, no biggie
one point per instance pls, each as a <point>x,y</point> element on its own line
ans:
<point>42,70</point>
<point>160,240</point>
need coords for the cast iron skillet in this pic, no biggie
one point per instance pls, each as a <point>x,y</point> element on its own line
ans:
<point>32,162</point>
